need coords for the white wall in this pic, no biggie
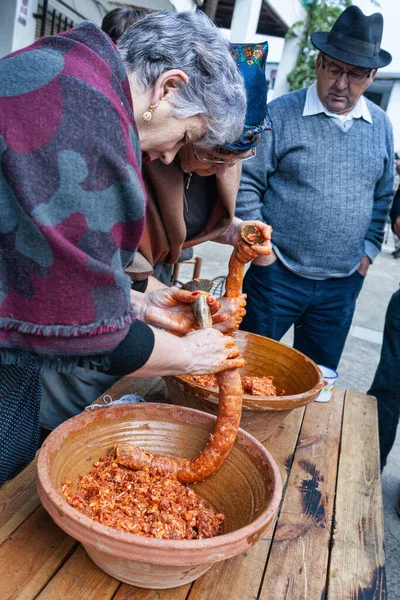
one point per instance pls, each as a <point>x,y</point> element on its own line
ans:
<point>178,5</point>
<point>24,34</point>
<point>393,112</point>
<point>183,5</point>
<point>290,12</point>
<point>15,34</point>
<point>93,11</point>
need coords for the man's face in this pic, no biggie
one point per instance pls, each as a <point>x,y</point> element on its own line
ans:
<point>340,85</point>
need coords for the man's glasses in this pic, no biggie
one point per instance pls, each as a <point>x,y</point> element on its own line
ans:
<point>335,72</point>
<point>206,157</point>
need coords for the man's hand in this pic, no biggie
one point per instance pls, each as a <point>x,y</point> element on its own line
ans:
<point>244,252</point>
<point>396,226</point>
<point>265,261</point>
<point>364,265</point>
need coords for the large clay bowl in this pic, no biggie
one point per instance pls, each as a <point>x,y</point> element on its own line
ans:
<point>293,372</point>
<point>247,489</point>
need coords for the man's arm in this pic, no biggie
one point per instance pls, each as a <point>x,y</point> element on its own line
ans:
<point>383,197</point>
<point>254,180</point>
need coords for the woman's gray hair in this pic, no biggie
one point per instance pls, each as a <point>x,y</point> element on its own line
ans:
<point>191,42</point>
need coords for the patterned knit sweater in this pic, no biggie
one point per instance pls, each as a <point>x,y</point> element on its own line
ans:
<point>72,199</point>
<point>326,192</point>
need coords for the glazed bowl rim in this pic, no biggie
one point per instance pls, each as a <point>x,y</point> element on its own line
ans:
<point>55,499</point>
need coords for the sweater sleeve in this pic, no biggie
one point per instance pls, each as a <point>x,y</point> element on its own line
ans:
<point>254,180</point>
<point>383,197</point>
<point>134,351</point>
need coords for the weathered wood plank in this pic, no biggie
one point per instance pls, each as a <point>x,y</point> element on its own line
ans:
<point>159,393</point>
<point>239,578</point>
<point>31,555</point>
<point>129,592</point>
<point>298,560</point>
<point>357,560</point>
<point>79,577</point>
<point>18,499</point>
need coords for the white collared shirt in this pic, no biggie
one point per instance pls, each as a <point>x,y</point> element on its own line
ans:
<point>314,106</point>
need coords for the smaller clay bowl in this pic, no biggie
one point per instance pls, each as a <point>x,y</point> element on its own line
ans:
<point>293,372</point>
<point>247,489</point>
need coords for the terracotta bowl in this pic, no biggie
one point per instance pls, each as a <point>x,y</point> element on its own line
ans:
<point>294,373</point>
<point>247,489</point>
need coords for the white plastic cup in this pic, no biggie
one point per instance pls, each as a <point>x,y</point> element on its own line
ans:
<point>330,377</point>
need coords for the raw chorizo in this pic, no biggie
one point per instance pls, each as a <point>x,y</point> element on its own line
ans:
<point>226,427</point>
<point>217,449</point>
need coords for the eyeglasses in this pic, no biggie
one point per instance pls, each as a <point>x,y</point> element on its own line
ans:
<point>335,72</point>
<point>202,154</point>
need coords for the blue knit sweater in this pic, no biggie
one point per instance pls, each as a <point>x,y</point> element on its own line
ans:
<point>326,192</point>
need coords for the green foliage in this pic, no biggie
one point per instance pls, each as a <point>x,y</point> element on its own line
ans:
<point>321,16</point>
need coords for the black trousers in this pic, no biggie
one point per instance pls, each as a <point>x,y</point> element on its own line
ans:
<point>321,311</point>
<point>386,384</point>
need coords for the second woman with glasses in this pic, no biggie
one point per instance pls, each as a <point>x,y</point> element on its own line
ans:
<point>193,199</point>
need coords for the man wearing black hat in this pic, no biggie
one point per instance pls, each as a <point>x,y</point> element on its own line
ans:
<point>324,180</point>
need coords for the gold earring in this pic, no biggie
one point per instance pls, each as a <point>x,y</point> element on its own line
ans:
<point>148,115</point>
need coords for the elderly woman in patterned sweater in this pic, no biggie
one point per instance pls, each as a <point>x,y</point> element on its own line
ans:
<point>72,203</point>
<point>190,201</point>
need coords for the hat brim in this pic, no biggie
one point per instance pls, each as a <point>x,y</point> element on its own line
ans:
<point>320,40</point>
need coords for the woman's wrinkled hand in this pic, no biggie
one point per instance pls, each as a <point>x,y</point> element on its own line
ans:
<point>230,314</point>
<point>210,351</point>
<point>169,308</point>
<point>244,252</point>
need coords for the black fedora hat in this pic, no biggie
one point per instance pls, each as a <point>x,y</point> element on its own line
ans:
<point>354,39</point>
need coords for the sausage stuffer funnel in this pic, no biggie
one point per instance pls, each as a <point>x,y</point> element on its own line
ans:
<point>200,307</point>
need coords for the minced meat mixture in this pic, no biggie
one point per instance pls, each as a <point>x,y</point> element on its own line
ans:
<point>255,386</point>
<point>150,505</point>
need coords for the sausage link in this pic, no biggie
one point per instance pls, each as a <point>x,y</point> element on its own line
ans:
<point>223,437</point>
<point>216,451</point>
<point>234,280</point>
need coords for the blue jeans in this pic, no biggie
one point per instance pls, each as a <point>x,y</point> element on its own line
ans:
<point>321,311</point>
<point>386,384</point>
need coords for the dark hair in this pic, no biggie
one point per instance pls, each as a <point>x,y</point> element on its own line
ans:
<point>118,20</point>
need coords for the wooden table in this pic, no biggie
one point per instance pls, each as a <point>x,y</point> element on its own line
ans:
<point>327,542</point>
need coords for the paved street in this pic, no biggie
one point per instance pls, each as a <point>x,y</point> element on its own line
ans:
<point>356,370</point>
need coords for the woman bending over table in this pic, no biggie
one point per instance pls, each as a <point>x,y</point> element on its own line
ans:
<point>179,216</point>
<point>73,202</point>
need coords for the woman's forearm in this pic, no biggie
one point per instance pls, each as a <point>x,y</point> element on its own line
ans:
<point>199,352</point>
<point>167,357</point>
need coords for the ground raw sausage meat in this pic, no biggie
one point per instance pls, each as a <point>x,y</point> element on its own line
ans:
<point>254,386</point>
<point>153,506</point>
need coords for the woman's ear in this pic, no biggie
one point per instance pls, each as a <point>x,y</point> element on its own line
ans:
<point>168,83</point>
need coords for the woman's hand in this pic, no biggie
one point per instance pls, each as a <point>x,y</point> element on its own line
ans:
<point>234,309</point>
<point>244,252</point>
<point>198,353</point>
<point>171,308</point>
<point>209,351</point>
